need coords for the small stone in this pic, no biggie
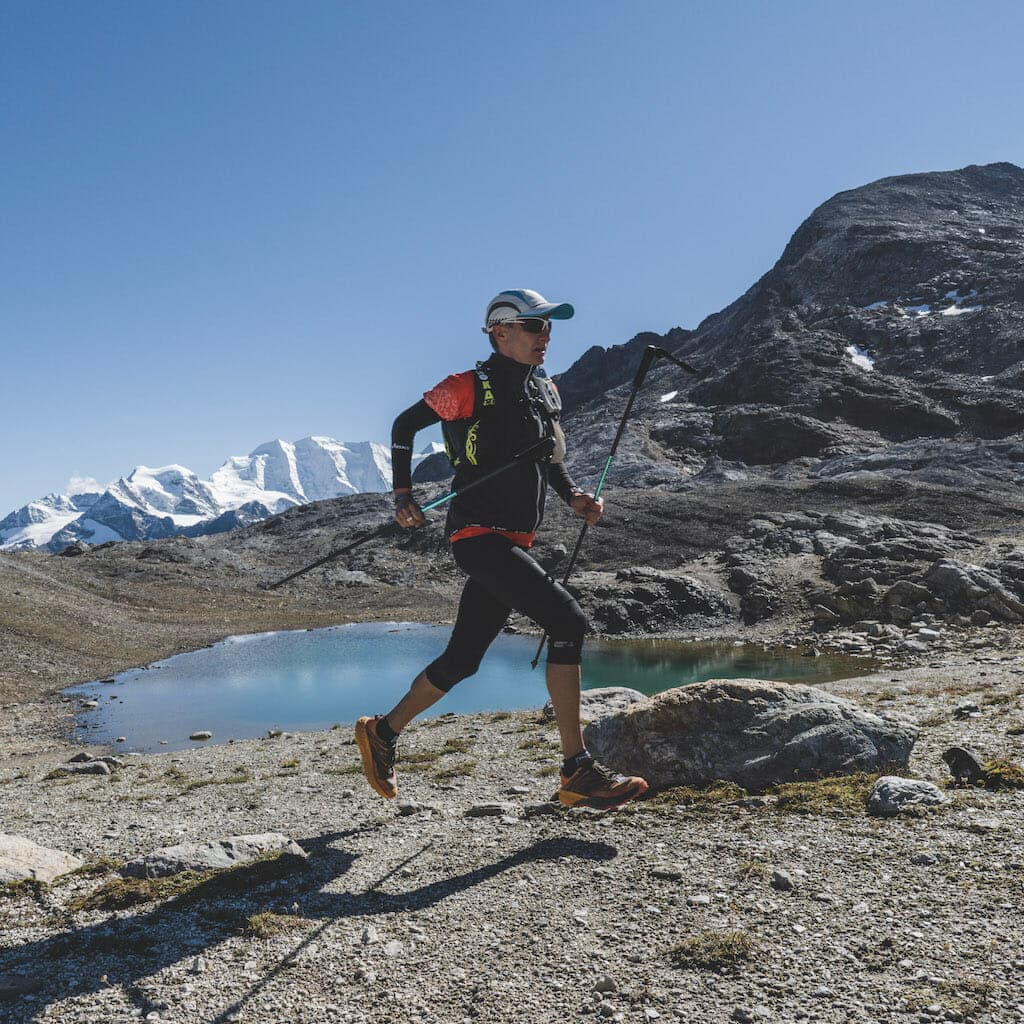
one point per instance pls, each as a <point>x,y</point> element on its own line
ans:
<point>366,974</point>
<point>539,808</point>
<point>121,739</point>
<point>891,795</point>
<point>743,1015</point>
<point>79,758</point>
<point>699,900</point>
<point>668,869</point>
<point>394,948</point>
<point>606,1009</point>
<point>85,768</point>
<point>823,992</point>
<point>369,936</point>
<point>603,983</point>
<point>112,762</point>
<point>491,809</point>
<point>406,807</point>
<point>518,790</point>
<point>924,858</point>
<point>967,710</point>
<point>202,734</point>
<point>782,880</point>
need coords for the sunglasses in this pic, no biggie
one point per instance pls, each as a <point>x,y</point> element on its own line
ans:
<point>534,324</point>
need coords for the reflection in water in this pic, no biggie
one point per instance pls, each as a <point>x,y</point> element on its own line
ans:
<point>310,679</point>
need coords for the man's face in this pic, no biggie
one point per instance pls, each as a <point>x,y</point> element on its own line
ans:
<point>513,341</point>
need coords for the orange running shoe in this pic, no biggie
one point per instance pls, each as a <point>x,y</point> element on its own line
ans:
<point>595,786</point>
<point>378,758</point>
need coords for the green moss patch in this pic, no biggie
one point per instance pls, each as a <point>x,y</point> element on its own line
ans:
<point>697,798</point>
<point>843,794</point>
<point>189,886</point>
<point>30,887</point>
<point>1002,774</point>
<point>96,868</point>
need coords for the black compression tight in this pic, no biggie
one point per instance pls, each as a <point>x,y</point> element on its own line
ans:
<point>503,577</point>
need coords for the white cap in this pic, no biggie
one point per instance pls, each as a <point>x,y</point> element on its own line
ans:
<point>520,303</point>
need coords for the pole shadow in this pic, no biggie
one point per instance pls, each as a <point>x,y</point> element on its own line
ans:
<point>123,951</point>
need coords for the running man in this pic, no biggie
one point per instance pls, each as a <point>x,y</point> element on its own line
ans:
<point>488,416</point>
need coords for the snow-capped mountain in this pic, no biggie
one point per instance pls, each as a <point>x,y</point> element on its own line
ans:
<point>151,503</point>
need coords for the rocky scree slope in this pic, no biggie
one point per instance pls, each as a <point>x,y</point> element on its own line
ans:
<point>894,317</point>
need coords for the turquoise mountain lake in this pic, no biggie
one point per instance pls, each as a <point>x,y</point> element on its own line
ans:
<point>311,679</point>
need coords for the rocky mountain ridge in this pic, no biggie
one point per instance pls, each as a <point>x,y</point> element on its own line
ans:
<point>895,315</point>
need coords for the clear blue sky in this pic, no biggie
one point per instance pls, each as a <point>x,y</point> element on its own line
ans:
<point>222,223</point>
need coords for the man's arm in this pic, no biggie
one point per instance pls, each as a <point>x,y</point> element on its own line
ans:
<point>403,431</point>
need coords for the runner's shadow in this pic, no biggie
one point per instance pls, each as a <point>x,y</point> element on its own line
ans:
<point>124,951</point>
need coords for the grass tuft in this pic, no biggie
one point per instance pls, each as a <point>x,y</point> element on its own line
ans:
<point>457,746</point>
<point>419,757</point>
<point>455,771</point>
<point>709,950</point>
<point>268,924</point>
<point>753,869</point>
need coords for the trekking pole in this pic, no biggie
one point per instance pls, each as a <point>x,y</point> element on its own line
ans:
<point>651,353</point>
<point>536,451</point>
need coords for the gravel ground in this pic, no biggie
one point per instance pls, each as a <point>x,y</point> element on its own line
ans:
<point>420,913</point>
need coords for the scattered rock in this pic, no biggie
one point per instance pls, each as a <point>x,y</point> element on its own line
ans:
<point>892,795</point>
<point>21,858</point>
<point>491,809</point>
<point>84,768</point>
<point>964,765</point>
<point>214,855</point>
<point>782,880</point>
<point>601,700</point>
<point>670,870</point>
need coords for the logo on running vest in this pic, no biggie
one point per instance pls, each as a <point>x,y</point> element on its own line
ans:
<point>471,440</point>
<point>488,393</point>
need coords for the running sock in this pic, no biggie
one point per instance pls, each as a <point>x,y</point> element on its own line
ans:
<point>384,730</point>
<point>573,764</point>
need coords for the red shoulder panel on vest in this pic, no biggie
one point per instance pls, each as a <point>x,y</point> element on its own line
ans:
<point>453,398</point>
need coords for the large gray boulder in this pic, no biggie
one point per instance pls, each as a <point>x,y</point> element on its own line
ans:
<point>21,858</point>
<point>602,700</point>
<point>747,731</point>
<point>211,856</point>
